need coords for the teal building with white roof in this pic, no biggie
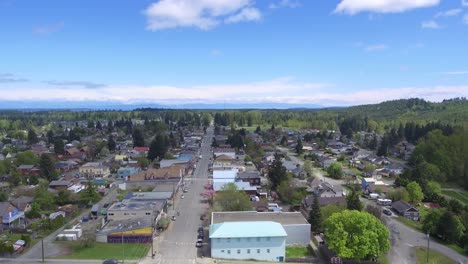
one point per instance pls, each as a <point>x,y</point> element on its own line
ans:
<point>258,240</point>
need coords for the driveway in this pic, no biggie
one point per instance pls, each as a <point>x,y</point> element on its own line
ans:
<point>177,244</point>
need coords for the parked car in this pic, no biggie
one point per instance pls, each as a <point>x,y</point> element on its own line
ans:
<point>387,211</point>
<point>185,190</point>
<point>173,218</point>
<point>200,229</point>
<point>106,205</point>
<point>182,196</point>
<point>85,219</point>
<point>200,236</point>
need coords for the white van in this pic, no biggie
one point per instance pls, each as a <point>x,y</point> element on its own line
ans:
<point>373,196</point>
<point>274,207</point>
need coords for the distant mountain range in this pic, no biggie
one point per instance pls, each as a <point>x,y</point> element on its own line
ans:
<point>109,105</point>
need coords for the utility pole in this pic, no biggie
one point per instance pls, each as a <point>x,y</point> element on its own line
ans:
<point>42,243</point>
<point>427,255</point>
<point>152,239</point>
<point>123,248</point>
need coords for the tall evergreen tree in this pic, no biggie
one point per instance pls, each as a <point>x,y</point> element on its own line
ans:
<point>158,147</point>
<point>299,146</point>
<point>32,137</point>
<point>138,139</point>
<point>47,166</point>
<point>277,172</point>
<point>59,147</point>
<point>353,202</point>
<point>111,143</point>
<point>315,217</point>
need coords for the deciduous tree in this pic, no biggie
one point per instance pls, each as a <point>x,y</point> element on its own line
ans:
<point>231,199</point>
<point>335,170</point>
<point>356,235</point>
<point>415,193</point>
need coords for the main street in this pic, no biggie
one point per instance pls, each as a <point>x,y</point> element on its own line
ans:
<point>177,244</point>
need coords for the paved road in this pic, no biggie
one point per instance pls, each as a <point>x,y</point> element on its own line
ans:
<point>177,244</point>
<point>51,249</point>
<point>405,239</point>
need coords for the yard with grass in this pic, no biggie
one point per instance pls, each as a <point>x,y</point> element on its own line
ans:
<point>460,196</point>
<point>410,223</point>
<point>298,252</point>
<point>107,251</point>
<point>434,257</point>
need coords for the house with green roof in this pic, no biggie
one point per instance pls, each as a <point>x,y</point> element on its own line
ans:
<point>258,240</point>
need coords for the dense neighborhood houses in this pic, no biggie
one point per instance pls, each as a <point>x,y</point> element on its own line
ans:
<point>225,192</point>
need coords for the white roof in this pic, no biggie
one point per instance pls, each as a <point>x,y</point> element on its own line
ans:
<point>224,174</point>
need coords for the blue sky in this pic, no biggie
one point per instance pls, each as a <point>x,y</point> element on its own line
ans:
<point>321,52</point>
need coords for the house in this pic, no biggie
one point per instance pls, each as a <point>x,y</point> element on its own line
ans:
<point>23,203</point>
<point>225,151</point>
<point>175,171</point>
<point>143,151</point>
<point>10,214</point>
<point>29,170</point>
<point>126,172</point>
<point>325,162</point>
<point>94,170</point>
<point>371,185</point>
<point>406,210</point>
<point>323,201</point>
<point>66,165</point>
<point>60,185</point>
<point>299,172</point>
<point>253,177</point>
<point>223,160</point>
<point>296,226</point>
<point>257,240</point>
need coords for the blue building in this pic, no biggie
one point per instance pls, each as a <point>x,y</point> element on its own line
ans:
<point>258,240</point>
<point>127,171</point>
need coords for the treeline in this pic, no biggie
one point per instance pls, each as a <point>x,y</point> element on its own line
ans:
<point>441,158</point>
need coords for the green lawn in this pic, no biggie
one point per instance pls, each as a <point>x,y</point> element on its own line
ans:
<point>298,252</point>
<point>108,251</point>
<point>383,259</point>
<point>456,195</point>
<point>410,223</point>
<point>434,257</point>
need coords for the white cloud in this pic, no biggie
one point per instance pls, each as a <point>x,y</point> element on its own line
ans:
<point>449,13</point>
<point>216,53</point>
<point>202,14</point>
<point>431,24</point>
<point>376,47</point>
<point>246,14</point>
<point>280,90</point>
<point>455,73</point>
<point>382,6</point>
<point>48,29</point>
<point>284,3</point>
<point>464,2</point>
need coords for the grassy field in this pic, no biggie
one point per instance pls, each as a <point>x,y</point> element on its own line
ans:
<point>410,223</point>
<point>298,252</point>
<point>456,195</point>
<point>434,257</point>
<point>108,251</point>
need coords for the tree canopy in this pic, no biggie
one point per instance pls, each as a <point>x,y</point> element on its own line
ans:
<point>277,172</point>
<point>231,199</point>
<point>356,235</point>
<point>335,170</point>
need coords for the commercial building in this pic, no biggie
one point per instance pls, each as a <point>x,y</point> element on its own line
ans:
<point>296,226</point>
<point>257,240</point>
<point>134,210</point>
<point>137,230</point>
